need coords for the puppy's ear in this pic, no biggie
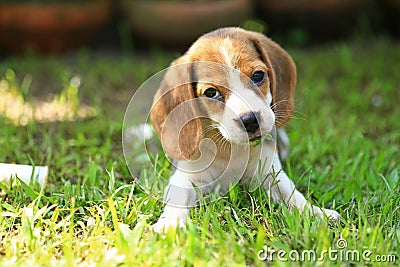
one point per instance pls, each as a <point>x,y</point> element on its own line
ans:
<point>281,74</point>
<point>175,120</point>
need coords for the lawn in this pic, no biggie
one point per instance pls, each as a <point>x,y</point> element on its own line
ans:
<point>345,141</point>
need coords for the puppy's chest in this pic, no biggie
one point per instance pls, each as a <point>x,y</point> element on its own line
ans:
<point>237,162</point>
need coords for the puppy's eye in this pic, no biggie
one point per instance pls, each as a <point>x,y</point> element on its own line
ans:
<point>212,93</point>
<point>258,77</point>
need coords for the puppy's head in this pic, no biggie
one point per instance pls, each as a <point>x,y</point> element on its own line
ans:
<point>236,81</point>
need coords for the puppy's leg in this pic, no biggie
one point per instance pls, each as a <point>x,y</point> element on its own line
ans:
<point>179,196</point>
<point>283,190</point>
<point>282,141</point>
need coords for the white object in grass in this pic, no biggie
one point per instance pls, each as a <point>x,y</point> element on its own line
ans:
<point>142,132</point>
<point>23,172</point>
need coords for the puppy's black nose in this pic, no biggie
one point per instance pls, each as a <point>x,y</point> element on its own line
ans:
<point>250,122</point>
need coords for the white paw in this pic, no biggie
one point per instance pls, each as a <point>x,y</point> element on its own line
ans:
<point>163,224</point>
<point>331,214</point>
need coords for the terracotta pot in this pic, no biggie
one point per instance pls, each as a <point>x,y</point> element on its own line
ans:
<point>178,24</point>
<point>50,27</point>
<point>323,19</point>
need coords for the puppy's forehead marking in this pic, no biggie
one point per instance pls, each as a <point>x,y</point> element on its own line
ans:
<point>229,53</point>
<point>234,81</point>
<point>231,59</point>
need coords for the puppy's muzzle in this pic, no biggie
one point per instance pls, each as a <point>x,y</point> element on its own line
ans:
<point>250,122</point>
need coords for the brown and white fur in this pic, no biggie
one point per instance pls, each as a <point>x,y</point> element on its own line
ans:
<point>224,120</point>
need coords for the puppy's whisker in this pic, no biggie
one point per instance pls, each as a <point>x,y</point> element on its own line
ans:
<point>220,140</point>
<point>282,101</point>
<point>224,144</point>
<point>215,137</point>
<point>209,128</point>
<point>282,114</point>
<point>284,111</point>
<point>278,103</point>
<point>207,131</point>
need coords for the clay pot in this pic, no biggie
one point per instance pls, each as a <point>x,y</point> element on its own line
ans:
<point>322,19</point>
<point>178,24</point>
<point>51,27</point>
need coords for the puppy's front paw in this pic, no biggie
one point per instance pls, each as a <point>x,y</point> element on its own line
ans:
<point>331,214</point>
<point>163,224</point>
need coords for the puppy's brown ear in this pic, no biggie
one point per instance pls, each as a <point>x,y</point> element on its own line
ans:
<point>281,74</point>
<point>175,118</point>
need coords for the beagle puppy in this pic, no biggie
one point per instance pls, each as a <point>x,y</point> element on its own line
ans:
<point>215,113</point>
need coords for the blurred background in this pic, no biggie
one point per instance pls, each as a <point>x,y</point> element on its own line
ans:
<point>66,60</point>
<point>59,26</point>
<point>71,60</point>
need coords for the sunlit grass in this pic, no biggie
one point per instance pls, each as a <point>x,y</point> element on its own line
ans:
<point>344,155</point>
<point>64,106</point>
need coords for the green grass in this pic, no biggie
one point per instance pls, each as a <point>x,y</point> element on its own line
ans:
<point>344,155</point>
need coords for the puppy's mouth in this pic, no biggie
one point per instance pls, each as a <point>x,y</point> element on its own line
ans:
<point>257,140</point>
<point>256,137</point>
